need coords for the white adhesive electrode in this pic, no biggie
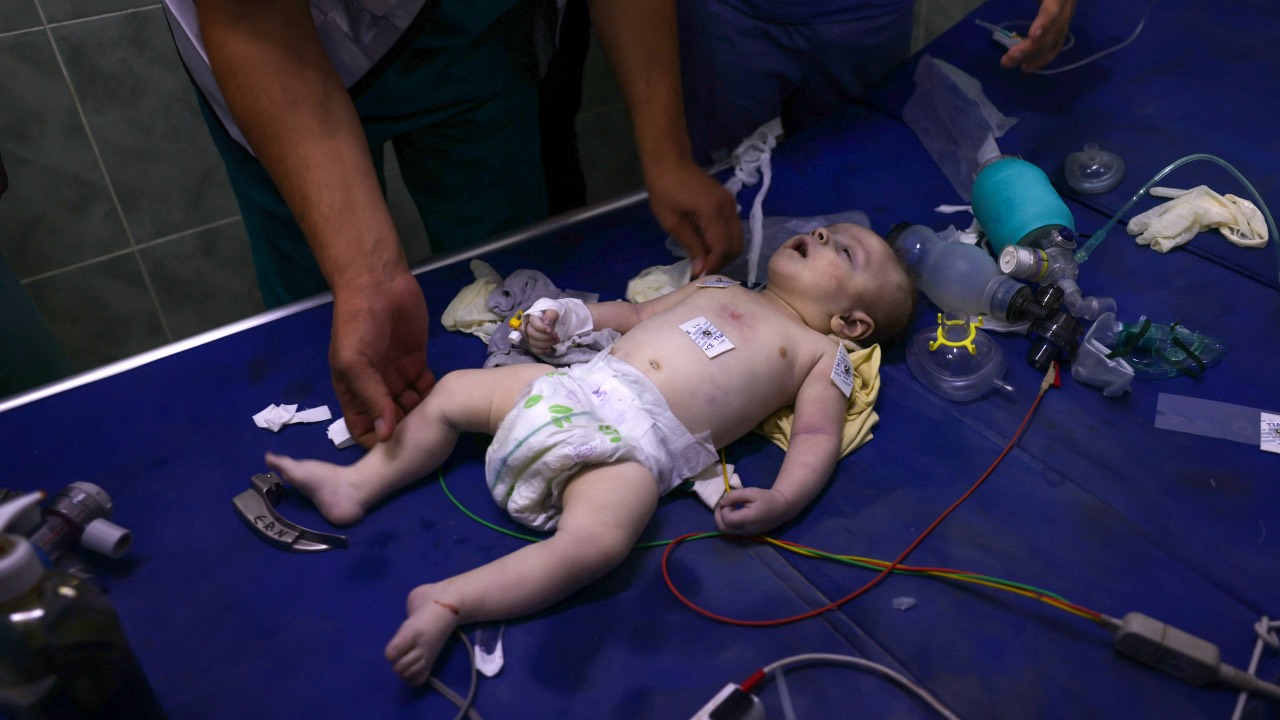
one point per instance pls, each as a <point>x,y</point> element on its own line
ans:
<point>708,337</point>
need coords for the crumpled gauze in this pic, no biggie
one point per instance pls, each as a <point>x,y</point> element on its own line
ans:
<point>859,415</point>
<point>469,311</point>
<point>954,120</point>
<point>654,282</point>
<point>709,484</point>
<point>1189,212</point>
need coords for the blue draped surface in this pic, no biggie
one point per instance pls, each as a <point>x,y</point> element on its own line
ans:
<point>1094,503</point>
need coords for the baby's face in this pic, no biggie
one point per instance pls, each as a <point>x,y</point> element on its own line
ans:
<point>833,268</point>
<point>842,279</point>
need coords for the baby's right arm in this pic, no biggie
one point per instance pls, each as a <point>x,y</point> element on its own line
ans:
<point>812,452</point>
<point>619,315</point>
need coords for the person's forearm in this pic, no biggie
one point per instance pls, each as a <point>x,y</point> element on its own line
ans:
<point>640,40</point>
<point>296,114</point>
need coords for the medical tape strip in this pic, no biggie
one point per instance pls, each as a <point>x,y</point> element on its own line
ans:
<point>573,321</point>
<point>1209,418</point>
<point>842,372</point>
<point>1271,432</point>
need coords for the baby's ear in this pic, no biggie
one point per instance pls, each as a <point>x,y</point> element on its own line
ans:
<point>853,325</point>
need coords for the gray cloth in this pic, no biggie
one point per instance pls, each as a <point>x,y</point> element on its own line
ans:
<point>519,291</point>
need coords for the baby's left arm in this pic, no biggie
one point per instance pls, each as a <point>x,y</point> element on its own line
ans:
<point>811,456</point>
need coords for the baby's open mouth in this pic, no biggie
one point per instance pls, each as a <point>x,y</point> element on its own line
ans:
<point>801,246</point>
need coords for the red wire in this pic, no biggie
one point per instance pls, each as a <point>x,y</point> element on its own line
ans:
<point>749,685</point>
<point>666,554</point>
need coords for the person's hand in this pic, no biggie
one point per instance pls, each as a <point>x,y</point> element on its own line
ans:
<point>698,212</point>
<point>378,355</point>
<point>540,332</point>
<point>1044,39</point>
<point>751,511</point>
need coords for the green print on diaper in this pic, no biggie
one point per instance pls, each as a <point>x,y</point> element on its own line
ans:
<point>564,412</point>
<point>531,401</point>
<point>610,432</point>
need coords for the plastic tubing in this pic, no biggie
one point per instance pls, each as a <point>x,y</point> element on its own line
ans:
<point>1083,253</point>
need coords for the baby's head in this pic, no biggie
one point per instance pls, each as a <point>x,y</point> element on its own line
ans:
<point>844,279</point>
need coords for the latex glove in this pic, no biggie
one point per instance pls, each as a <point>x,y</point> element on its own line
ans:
<point>378,356</point>
<point>698,212</point>
<point>751,511</point>
<point>1175,222</point>
<point>1045,37</point>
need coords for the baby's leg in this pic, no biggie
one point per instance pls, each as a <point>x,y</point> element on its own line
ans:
<point>605,509</point>
<point>462,401</point>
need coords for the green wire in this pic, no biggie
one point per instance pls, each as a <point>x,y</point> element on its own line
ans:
<point>799,551</point>
<point>922,573</point>
<point>531,538</point>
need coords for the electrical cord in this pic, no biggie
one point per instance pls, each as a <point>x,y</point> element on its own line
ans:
<point>1266,631</point>
<point>465,709</point>
<point>759,676</point>
<point>1180,654</point>
<point>512,533</point>
<point>1136,635</point>
<point>1029,591</point>
<point>1050,380</point>
<point>947,573</point>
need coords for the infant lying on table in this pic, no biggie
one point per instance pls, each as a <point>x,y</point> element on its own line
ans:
<point>586,451</point>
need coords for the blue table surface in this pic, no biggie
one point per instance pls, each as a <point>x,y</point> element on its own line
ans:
<point>1194,80</point>
<point>1094,503</point>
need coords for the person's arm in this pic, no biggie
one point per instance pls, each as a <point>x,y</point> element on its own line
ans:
<point>812,452</point>
<point>296,114</point>
<point>640,40</point>
<point>1045,37</point>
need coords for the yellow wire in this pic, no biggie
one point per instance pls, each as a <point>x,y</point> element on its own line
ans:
<point>933,573</point>
<point>724,466</point>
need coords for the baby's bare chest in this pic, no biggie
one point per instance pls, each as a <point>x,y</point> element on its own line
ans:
<point>721,362</point>
<point>713,323</point>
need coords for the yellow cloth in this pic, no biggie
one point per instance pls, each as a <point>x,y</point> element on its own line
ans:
<point>469,312</point>
<point>657,281</point>
<point>859,415</point>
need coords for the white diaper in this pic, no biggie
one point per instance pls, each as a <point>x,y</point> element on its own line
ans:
<point>587,414</point>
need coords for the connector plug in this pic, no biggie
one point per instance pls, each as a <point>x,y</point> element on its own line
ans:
<point>1006,38</point>
<point>1181,655</point>
<point>1167,649</point>
<point>731,703</point>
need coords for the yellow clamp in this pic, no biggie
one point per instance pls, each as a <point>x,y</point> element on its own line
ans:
<point>967,342</point>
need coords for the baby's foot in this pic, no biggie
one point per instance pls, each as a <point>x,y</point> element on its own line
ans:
<point>324,483</point>
<point>415,646</point>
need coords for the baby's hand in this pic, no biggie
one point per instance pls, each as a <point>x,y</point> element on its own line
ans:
<point>751,511</point>
<point>541,333</point>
